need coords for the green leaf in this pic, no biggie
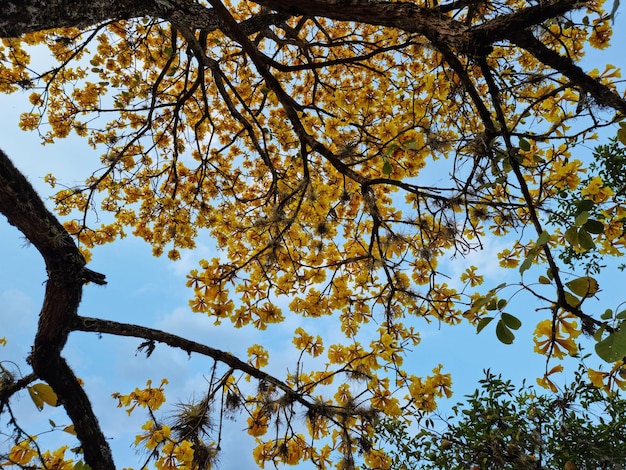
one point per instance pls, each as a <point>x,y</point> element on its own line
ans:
<point>492,305</point>
<point>506,165</point>
<point>598,333</point>
<point>52,423</point>
<point>581,218</point>
<point>390,149</point>
<point>503,333</point>
<point>621,315</point>
<point>480,302</point>
<point>512,322</point>
<point>410,144</point>
<point>584,286</point>
<point>583,205</point>
<point>501,304</point>
<point>613,347</point>
<point>543,238</point>
<point>572,299</point>
<point>571,235</point>
<point>387,169</point>
<point>585,240</point>
<point>607,315</point>
<point>594,226</point>
<point>549,274</point>
<point>524,145</point>
<point>482,323</point>
<point>527,263</point>
<point>544,280</point>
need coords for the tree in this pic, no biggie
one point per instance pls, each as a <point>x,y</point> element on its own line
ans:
<point>300,135</point>
<point>580,427</point>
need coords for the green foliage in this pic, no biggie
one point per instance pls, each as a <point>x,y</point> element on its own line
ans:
<point>501,427</point>
<point>581,218</point>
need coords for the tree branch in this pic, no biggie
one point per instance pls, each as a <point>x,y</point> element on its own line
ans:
<point>25,210</point>
<point>601,93</point>
<point>97,325</point>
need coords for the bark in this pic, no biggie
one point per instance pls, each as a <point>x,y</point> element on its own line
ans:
<point>28,16</point>
<point>602,94</point>
<point>36,15</point>
<point>441,30</point>
<point>67,274</point>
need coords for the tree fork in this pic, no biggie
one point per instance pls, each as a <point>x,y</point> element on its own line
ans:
<point>67,274</point>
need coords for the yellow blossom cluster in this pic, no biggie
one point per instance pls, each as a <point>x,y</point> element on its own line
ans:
<point>149,397</point>
<point>615,377</point>
<point>316,187</point>
<point>25,455</point>
<point>557,338</point>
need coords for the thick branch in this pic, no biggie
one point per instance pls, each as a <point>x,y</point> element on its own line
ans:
<point>19,17</point>
<point>601,93</point>
<point>24,209</point>
<point>97,325</point>
<point>27,16</point>
<point>502,26</point>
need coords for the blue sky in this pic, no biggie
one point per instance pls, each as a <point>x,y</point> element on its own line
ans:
<point>151,291</point>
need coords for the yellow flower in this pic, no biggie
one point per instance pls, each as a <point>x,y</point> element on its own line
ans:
<point>258,422</point>
<point>259,357</point>
<point>600,35</point>
<point>597,377</point>
<point>470,276</point>
<point>155,435</point>
<point>508,259</point>
<point>56,460</point>
<point>377,459</point>
<point>597,190</point>
<point>21,454</point>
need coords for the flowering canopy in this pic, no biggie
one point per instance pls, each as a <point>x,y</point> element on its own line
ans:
<point>309,139</point>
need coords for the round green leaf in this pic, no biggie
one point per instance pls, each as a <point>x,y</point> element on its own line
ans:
<point>524,145</point>
<point>594,226</point>
<point>584,205</point>
<point>503,333</point>
<point>584,286</point>
<point>571,235</point>
<point>512,322</point>
<point>581,218</point>
<point>585,240</point>
<point>572,299</point>
<point>607,315</point>
<point>613,347</point>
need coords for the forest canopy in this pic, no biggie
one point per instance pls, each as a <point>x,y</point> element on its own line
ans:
<point>336,151</point>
